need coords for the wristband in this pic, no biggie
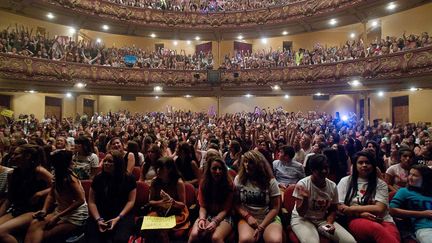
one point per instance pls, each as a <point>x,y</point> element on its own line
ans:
<point>100,219</point>
<point>216,221</point>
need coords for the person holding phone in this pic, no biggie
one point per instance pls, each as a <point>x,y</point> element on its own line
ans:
<point>111,199</point>
<point>363,199</point>
<point>167,197</point>
<point>314,213</point>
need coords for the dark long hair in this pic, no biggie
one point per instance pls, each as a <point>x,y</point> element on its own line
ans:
<point>222,187</point>
<point>426,185</point>
<point>133,147</point>
<point>86,145</point>
<point>262,174</point>
<point>62,160</point>
<point>147,162</point>
<point>119,166</point>
<point>353,183</point>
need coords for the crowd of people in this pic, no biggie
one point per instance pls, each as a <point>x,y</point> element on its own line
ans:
<point>22,41</point>
<point>203,6</point>
<point>344,173</point>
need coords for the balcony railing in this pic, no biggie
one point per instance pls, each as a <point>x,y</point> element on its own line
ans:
<point>413,63</point>
<point>195,20</point>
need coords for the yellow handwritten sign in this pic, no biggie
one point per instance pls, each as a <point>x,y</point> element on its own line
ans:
<point>153,222</point>
<point>7,113</point>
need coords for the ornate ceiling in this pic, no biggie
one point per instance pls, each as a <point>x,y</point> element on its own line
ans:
<point>303,16</point>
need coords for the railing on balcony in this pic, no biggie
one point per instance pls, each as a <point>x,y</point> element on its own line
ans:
<point>412,63</point>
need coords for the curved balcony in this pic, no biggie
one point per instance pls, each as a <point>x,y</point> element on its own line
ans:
<point>18,72</point>
<point>187,20</point>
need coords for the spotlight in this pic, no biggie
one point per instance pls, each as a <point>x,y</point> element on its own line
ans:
<point>197,38</point>
<point>286,96</point>
<point>69,95</point>
<point>152,35</point>
<point>285,33</point>
<point>50,15</point>
<point>105,27</point>
<point>157,88</point>
<point>344,118</point>
<point>391,6</point>
<point>381,94</point>
<point>333,22</point>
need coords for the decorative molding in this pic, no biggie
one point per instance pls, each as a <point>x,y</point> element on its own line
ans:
<point>194,20</point>
<point>396,66</point>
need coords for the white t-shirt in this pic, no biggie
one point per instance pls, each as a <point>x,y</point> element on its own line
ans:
<point>399,174</point>
<point>82,165</point>
<point>319,200</point>
<point>381,193</point>
<point>255,200</point>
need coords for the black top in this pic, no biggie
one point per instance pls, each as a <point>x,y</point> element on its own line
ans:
<point>111,195</point>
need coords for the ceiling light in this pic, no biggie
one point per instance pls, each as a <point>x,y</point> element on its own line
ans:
<point>152,35</point>
<point>344,118</point>
<point>188,96</point>
<point>105,27</point>
<point>197,38</point>
<point>157,88</point>
<point>354,83</point>
<point>80,85</point>
<point>286,96</point>
<point>333,22</point>
<point>72,30</point>
<point>276,87</point>
<point>156,97</point>
<point>240,37</point>
<point>374,23</point>
<point>188,42</point>
<point>285,33</point>
<point>175,43</point>
<point>352,35</point>
<point>381,94</point>
<point>318,94</point>
<point>69,94</point>
<point>248,95</point>
<point>264,40</point>
<point>98,40</point>
<point>413,89</point>
<point>391,6</point>
<point>50,15</point>
<point>32,91</point>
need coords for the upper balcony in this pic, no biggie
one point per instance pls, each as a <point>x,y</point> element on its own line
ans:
<point>392,72</point>
<point>296,17</point>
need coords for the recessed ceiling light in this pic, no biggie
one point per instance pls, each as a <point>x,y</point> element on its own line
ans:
<point>285,33</point>
<point>98,40</point>
<point>188,42</point>
<point>156,97</point>
<point>197,38</point>
<point>105,27</point>
<point>374,23</point>
<point>32,91</point>
<point>152,35</point>
<point>69,94</point>
<point>188,96</point>
<point>333,22</point>
<point>157,88</point>
<point>264,40</point>
<point>381,94</point>
<point>248,95</point>
<point>72,30</point>
<point>50,15</point>
<point>276,87</point>
<point>318,94</point>
<point>286,96</point>
<point>240,37</point>
<point>175,43</point>
<point>413,89</point>
<point>391,6</point>
<point>355,83</point>
<point>352,35</point>
<point>80,85</point>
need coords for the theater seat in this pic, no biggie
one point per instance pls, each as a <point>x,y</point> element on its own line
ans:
<point>86,184</point>
<point>288,206</point>
<point>142,195</point>
<point>191,203</point>
<point>136,172</point>
<point>232,173</point>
